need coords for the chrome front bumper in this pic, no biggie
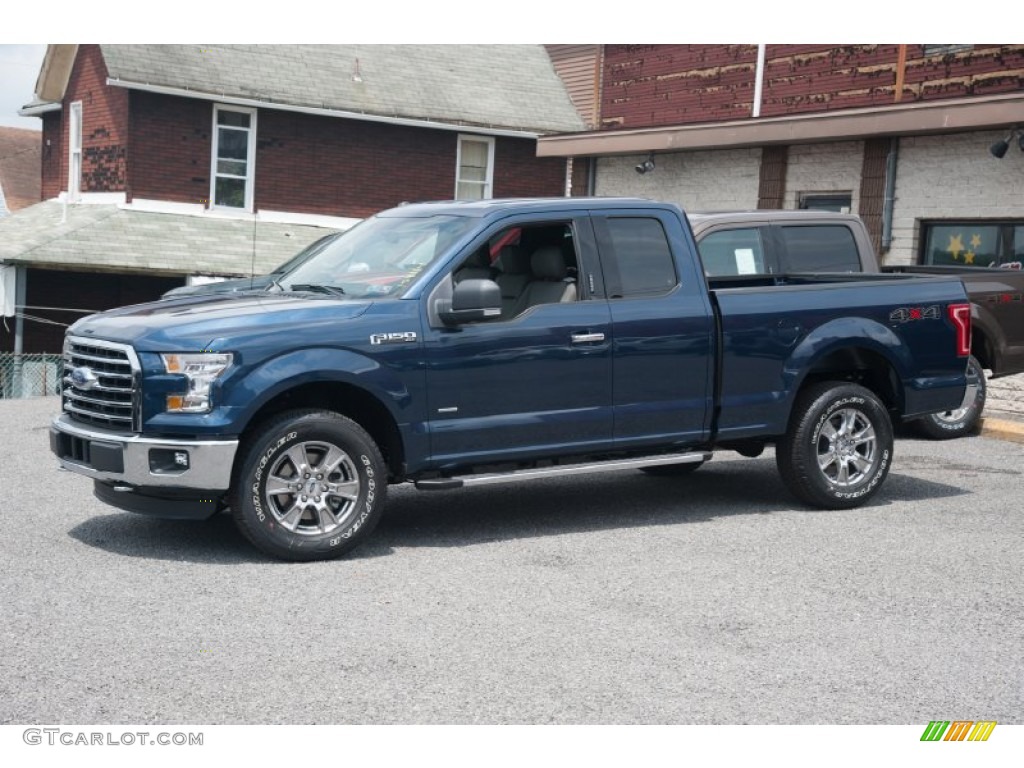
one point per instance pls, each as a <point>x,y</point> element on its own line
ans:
<point>126,459</point>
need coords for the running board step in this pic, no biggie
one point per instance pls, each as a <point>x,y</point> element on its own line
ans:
<point>612,465</point>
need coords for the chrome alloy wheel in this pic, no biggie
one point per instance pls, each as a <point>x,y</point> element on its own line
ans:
<point>312,488</point>
<point>847,447</point>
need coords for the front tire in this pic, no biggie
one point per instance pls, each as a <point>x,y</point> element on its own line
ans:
<point>310,486</point>
<point>963,420</point>
<point>838,448</point>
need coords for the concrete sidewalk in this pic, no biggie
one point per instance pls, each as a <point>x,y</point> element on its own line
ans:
<point>1004,409</point>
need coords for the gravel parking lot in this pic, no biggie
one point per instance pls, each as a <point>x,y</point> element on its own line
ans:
<point>623,598</point>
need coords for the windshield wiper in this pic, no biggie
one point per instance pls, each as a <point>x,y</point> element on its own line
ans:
<point>332,290</point>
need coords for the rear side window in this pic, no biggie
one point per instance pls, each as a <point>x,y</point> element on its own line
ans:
<point>733,252</point>
<point>642,255</point>
<point>819,249</point>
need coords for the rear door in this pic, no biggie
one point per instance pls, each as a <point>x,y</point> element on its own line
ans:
<point>662,353</point>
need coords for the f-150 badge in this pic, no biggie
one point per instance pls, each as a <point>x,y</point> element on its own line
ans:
<point>401,337</point>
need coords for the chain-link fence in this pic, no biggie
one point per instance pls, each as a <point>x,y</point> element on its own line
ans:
<point>29,375</point>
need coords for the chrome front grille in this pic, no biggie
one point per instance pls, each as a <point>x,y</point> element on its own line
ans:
<point>103,393</point>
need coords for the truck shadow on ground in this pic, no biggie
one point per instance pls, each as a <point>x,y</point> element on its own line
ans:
<point>483,515</point>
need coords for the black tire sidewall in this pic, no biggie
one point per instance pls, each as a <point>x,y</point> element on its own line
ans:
<point>802,472</point>
<point>259,524</point>
<point>941,429</point>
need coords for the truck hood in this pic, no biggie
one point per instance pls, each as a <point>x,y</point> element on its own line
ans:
<point>194,322</point>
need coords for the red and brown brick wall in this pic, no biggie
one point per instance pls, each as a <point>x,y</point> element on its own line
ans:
<point>53,160</point>
<point>659,85</point>
<point>104,125</point>
<point>317,164</point>
<point>170,148</point>
<point>650,85</point>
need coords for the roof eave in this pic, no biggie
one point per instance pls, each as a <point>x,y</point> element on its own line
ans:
<point>35,110</point>
<point>265,104</point>
<point>988,112</point>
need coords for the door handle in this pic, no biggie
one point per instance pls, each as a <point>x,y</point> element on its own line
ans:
<point>587,338</point>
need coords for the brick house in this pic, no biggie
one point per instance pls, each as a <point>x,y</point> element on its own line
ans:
<point>907,136</point>
<point>161,162</point>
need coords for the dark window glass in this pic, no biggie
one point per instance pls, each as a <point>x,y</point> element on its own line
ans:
<point>820,249</point>
<point>834,203</point>
<point>733,252</point>
<point>962,244</point>
<point>643,256</point>
<point>1017,257</point>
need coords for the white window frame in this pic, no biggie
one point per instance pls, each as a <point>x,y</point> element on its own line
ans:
<point>250,164</point>
<point>488,183</point>
<point>75,150</point>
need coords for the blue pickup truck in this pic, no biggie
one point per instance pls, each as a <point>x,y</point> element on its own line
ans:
<point>461,343</point>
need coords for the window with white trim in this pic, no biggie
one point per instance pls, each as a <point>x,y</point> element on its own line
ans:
<point>75,151</point>
<point>474,168</point>
<point>234,155</point>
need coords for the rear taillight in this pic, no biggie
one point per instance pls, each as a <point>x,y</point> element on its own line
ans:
<point>960,314</point>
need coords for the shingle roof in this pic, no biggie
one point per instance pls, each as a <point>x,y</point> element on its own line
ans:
<point>110,238</point>
<point>499,86</point>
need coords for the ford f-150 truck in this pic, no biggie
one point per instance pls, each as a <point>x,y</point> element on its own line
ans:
<point>773,241</point>
<point>406,351</point>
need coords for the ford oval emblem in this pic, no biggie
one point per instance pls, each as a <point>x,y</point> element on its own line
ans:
<point>84,378</point>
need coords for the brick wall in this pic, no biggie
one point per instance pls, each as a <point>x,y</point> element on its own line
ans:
<point>104,124</point>
<point>53,155</point>
<point>707,180</point>
<point>170,148</point>
<point>657,85</point>
<point>317,164</point>
<point>952,177</point>
<point>648,85</point>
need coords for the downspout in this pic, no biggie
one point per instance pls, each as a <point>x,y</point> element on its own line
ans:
<point>759,80</point>
<point>889,202</point>
<point>592,176</point>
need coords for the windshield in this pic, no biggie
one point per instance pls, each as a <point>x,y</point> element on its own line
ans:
<point>378,257</point>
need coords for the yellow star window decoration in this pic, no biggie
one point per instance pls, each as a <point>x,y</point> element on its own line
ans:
<point>956,246</point>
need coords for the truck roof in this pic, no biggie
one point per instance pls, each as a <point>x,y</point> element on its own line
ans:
<point>506,205</point>
<point>700,220</point>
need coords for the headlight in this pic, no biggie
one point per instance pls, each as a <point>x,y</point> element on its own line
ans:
<point>201,369</point>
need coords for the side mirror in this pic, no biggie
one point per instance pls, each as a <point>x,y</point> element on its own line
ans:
<point>471,300</point>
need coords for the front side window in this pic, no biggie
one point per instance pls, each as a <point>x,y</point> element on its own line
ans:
<point>474,168</point>
<point>234,145</point>
<point>827,248</point>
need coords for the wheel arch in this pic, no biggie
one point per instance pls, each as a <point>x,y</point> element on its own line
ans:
<point>344,398</point>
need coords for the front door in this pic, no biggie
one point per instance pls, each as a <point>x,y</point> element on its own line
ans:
<point>537,380</point>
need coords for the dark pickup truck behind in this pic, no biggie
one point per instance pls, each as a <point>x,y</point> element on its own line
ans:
<point>453,344</point>
<point>773,241</point>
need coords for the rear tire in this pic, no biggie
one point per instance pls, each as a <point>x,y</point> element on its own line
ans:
<point>838,448</point>
<point>310,486</point>
<point>961,421</point>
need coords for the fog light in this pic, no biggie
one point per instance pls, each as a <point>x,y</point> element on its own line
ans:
<point>164,461</point>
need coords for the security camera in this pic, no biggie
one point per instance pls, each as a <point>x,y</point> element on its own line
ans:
<point>645,167</point>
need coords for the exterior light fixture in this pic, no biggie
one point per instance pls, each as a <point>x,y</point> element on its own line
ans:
<point>646,166</point>
<point>999,148</point>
